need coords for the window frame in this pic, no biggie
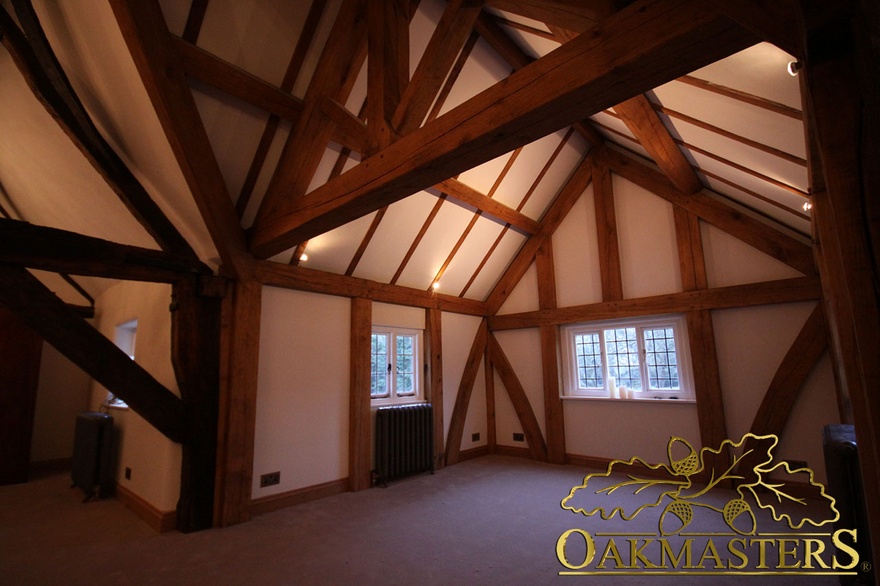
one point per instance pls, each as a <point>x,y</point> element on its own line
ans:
<point>571,388</point>
<point>393,397</point>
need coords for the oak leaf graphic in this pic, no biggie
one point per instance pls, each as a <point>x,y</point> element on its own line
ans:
<point>746,466</point>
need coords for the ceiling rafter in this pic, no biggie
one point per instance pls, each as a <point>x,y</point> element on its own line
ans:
<point>575,15</point>
<point>35,60</point>
<point>466,194</point>
<point>717,177</point>
<point>335,75</point>
<point>642,46</point>
<point>305,279</point>
<point>501,42</point>
<point>731,135</point>
<point>742,96</point>
<point>430,70</point>
<point>387,67</point>
<point>521,205</point>
<point>194,20</point>
<point>477,215</point>
<point>767,239</point>
<point>449,37</point>
<point>652,134</point>
<point>553,217</point>
<point>733,164</point>
<point>294,66</point>
<point>235,81</point>
<point>151,46</point>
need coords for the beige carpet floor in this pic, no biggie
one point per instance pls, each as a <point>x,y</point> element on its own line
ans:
<point>492,520</point>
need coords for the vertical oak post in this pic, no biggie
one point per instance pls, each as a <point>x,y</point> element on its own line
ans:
<point>434,358</point>
<point>239,366</point>
<point>359,416</point>
<point>195,352</point>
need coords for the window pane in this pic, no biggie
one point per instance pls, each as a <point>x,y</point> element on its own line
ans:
<point>661,359</point>
<point>622,350</point>
<point>589,361</point>
<point>379,365</point>
<point>404,368</point>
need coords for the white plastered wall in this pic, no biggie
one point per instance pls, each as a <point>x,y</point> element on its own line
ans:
<point>153,459</point>
<point>302,391</point>
<point>751,341</point>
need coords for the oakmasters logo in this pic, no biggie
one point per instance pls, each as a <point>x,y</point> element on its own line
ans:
<point>726,493</point>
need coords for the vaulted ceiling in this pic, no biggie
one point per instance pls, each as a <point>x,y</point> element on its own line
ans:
<point>250,129</point>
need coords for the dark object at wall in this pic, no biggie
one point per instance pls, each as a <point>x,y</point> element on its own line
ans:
<point>845,485</point>
<point>404,441</point>
<point>91,468</point>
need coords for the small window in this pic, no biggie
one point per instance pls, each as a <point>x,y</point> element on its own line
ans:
<point>125,337</point>
<point>395,362</point>
<point>644,358</point>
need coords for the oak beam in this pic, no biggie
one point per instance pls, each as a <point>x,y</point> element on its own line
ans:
<point>574,15</point>
<point>350,131</point>
<point>606,232</point>
<point>235,81</point>
<point>701,331</point>
<point>195,355</point>
<point>642,120</point>
<point>239,367</point>
<point>152,48</point>
<point>770,20</point>
<point>466,194</point>
<point>766,293</point>
<point>60,251</point>
<point>842,103</point>
<point>799,362</point>
<point>554,416</point>
<point>359,419</point>
<point>463,397</point>
<point>568,195</point>
<point>83,345</point>
<point>524,412</point>
<point>638,48</point>
<point>434,361</point>
<point>303,279</point>
<point>448,38</point>
<point>34,58</point>
<point>387,66</point>
<point>335,74</point>
<point>765,238</point>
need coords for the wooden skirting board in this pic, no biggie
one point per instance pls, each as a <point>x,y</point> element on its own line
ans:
<point>161,521</point>
<point>276,502</point>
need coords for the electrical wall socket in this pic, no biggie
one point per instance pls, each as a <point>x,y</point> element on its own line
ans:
<point>475,437</point>
<point>270,479</point>
<point>518,437</point>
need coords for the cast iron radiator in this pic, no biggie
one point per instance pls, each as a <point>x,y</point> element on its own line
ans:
<point>91,467</point>
<point>404,441</point>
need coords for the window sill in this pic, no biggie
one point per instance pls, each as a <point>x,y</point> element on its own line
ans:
<point>629,400</point>
<point>377,404</point>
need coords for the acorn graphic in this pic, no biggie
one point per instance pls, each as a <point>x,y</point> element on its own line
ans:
<point>676,516</point>
<point>687,465</point>
<point>739,516</point>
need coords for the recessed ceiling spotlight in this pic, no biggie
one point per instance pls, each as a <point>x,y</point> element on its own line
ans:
<point>793,67</point>
<point>435,285</point>
<point>303,257</point>
<point>807,206</point>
